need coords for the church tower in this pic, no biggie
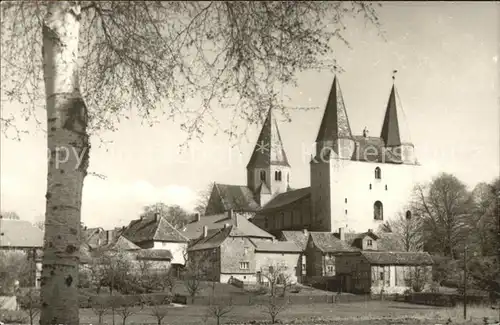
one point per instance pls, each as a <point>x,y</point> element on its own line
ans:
<point>268,171</point>
<point>395,132</point>
<point>334,148</point>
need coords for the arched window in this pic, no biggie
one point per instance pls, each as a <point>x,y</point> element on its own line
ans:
<point>408,215</point>
<point>263,175</point>
<point>378,173</point>
<point>378,211</point>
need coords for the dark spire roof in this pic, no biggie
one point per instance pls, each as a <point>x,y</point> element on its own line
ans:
<point>269,149</point>
<point>335,123</point>
<point>394,131</point>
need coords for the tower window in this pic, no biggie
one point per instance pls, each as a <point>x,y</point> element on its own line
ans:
<point>263,175</point>
<point>408,215</point>
<point>346,211</point>
<point>345,200</point>
<point>277,175</point>
<point>386,187</point>
<point>378,211</point>
<point>378,173</point>
<point>370,186</point>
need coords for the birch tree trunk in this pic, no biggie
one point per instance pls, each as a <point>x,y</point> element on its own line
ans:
<point>68,144</point>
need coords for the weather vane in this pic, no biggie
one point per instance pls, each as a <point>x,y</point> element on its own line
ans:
<point>394,75</point>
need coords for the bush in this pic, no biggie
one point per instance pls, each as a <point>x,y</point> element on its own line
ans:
<point>125,300</point>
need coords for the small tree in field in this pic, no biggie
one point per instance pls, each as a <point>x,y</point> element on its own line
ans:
<point>158,306</point>
<point>220,308</point>
<point>99,307</point>
<point>30,303</point>
<point>274,306</point>
<point>192,278</point>
<point>277,275</point>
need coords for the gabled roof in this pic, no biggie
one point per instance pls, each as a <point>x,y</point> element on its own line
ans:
<point>398,258</point>
<point>236,197</point>
<point>154,255</point>
<point>121,244</point>
<point>329,243</point>
<point>286,198</point>
<point>299,237</point>
<point>394,129</point>
<point>214,238</point>
<point>276,247</point>
<point>269,149</point>
<point>152,228</point>
<point>335,123</point>
<point>19,234</point>
<point>245,228</point>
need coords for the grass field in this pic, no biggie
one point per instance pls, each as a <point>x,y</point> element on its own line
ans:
<point>373,312</point>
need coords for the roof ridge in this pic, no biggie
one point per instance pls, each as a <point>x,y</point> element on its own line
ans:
<point>162,218</point>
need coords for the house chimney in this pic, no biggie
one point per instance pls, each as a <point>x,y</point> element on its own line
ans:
<point>304,231</point>
<point>226,225</point>
<point>370,230</point>
<point>230,213</point>
<point>205,231</point>
<point>342,234</point>
<point>197,217</point>
<point>109,236</point>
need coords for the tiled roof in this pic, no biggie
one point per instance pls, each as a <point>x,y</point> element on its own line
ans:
<point>330,243</point>
<point>154,254</point>
<point>285,198</point>
<point>245,227</point>
<point>214,238</point>
<point>298,237</point>
<point>390,242</point>
<point>121,244</point>
<point>398,258</point>
<point>269,149</point>
<point>236,197</point>
<point>335,123</point>
<point>19,234</point>
<point>277,246</point>
<point>152,229</point>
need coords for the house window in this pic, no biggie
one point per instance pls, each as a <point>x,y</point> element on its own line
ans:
<point>244,265</point>
<point>277,175</point>
<point>329,268</point>
<point>288,178</point>
<point>369,243</point>
<point>378,211</point>
<point>246,251</point>
<point>214,252</point>
<point>378,173</point>
<point>408,215</point>
<point>263,175</point>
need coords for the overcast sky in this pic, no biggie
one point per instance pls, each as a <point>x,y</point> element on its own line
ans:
<point>447,58</point>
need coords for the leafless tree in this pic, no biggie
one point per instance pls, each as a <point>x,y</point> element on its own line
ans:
<point>276,275</point>
<point>123,308</point>
<point>203,197</point>
<point>99,307</point>
<point>408,229</point>
<point>174,214</point>
<point>30,302</point>
<point>158,306</point>
<point>99,59</point>
<point>219,308</point>
<point>274,306</point>
<point>444,206</point>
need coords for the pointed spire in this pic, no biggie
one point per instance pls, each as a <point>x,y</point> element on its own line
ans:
<point>269,149</point>
<point>335,123</point>
<point>394,129</point>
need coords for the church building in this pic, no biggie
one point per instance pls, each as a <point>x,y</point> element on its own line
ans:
<point>357,181</point>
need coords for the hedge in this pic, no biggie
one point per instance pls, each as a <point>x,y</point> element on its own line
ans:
<point>129,300</point>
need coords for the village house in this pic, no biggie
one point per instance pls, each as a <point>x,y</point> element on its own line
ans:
<point>20,236</point>
<point>300,238</point>
<point>231,247</point>
<point>156,233</point>
<point>387,272</point>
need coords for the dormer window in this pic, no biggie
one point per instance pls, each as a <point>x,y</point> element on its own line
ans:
<point>277,175</point>
<point>408,215</point>
<point>263,175</point>
<point>378,173</point>
<point>369,243</point>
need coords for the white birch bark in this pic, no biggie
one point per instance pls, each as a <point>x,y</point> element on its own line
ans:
<point>68,144</point>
